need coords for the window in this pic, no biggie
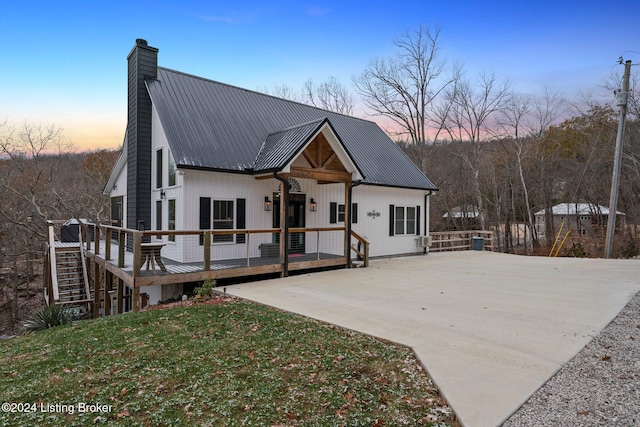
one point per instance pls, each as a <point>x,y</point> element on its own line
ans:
<point>411,220</point>
<point>159,217</point>
<point>399,220</point>
<point>159,168</point>
<point>336,213</point>
<point>171,218</point>
<point>404,220</point>
<point>223,219</point>
<point>172,171</point>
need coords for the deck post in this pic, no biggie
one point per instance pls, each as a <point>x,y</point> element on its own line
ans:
<point>96,234</point>
<point>108,283</point>
<point>247,237</point>
<point>107,245</point>
<point>96,288</point>
<point>121,245</point>
<point>119,300</point>
<point>136,299</point>
<point>284,223</point>
<point>207,250</point>
<point>137,252</point>
<point>347,221</point>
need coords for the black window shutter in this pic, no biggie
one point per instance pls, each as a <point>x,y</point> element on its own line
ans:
<point>418,220</point>
<point>333,213</point>
<point>392,216</point>
<point>205,215</point>
<point>354,213</point>
<point>241,221</point>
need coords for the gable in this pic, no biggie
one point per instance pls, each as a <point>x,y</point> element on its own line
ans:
<point>317,143</point>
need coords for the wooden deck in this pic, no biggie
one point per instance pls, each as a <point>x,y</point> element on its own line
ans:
<point>179,272</point>
<point>117,257</point>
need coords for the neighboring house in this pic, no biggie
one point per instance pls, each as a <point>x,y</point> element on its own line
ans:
<point>464,217</point>
<point>581,217</point>
<point>199,154</point>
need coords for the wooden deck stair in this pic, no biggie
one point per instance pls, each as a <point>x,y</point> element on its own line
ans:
<point>66,280</point>
<point>72,286</point>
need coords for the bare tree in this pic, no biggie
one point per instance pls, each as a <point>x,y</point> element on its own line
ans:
<point>40,178</point>
<point>330,95</point>
<point>405,87</point>
<point>472,118</point>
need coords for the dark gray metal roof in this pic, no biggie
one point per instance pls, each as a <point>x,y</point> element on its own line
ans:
<point>280,147</point>
<point>214,126</point>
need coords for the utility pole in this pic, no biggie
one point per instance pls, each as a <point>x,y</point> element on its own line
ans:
<point>621,98</point>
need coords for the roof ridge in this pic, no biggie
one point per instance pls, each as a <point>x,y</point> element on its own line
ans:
<point>299,126</point>
<point>262,94</point>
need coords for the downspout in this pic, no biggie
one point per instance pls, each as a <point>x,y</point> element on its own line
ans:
<point>285,182</point>
<point>353,184</point>
<point>426,217</point>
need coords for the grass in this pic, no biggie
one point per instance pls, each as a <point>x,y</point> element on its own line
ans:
<point>236,363</point>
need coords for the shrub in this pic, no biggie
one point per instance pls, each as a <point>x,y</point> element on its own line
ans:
<point>206,290</point>
<point>48,317</point>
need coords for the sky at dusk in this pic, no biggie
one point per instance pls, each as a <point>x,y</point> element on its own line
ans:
<point>64,62</point>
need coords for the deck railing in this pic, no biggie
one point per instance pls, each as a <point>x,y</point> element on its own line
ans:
<point>460,240</point>
<point>204,250</point>
<point>361,248</point>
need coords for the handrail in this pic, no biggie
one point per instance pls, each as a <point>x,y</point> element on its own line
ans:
<point>364,254</point>
<point>459,240</point>
<point>85,276</point>
<point>52,259</point>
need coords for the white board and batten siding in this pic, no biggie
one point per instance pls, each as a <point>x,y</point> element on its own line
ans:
<point>374,219</point>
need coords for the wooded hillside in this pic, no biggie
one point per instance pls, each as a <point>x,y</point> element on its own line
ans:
<point>568,163</point>
<point>41,178</point>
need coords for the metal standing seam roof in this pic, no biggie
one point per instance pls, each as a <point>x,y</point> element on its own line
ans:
<point>280,147</point>
<point>215,126</point>
<point>577,209</point>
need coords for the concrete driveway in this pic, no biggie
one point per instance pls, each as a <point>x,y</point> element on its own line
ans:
<point>489,328</point>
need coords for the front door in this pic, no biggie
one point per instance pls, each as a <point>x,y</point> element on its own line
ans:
<point>295,219</point>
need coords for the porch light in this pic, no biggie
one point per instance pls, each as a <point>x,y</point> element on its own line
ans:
<point>267,203</point>
<point>313,206</point>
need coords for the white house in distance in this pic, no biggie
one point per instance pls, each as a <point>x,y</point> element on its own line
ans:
<point>582,217</point>
<point>200,154</point>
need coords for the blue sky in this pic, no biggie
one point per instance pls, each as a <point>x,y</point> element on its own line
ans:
<point>64,62</point>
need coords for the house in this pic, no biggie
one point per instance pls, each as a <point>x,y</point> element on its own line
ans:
<point>463,217</point>
<point>203,155</point>
<point>584,218</point>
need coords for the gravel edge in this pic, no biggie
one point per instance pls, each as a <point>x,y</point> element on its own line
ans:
<point>600,386</point>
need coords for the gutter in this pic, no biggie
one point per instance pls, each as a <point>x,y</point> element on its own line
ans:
<point>353,184</point>
<point>426,217</point>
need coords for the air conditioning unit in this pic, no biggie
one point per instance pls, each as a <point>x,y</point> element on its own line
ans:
<point>424,241</point>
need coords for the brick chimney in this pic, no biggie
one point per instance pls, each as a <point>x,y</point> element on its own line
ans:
<point>142,65</point>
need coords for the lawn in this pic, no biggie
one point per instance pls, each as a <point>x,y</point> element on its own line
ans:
<point>235,363</point>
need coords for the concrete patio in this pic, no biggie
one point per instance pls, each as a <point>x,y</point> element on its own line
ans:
<point>490,328</point>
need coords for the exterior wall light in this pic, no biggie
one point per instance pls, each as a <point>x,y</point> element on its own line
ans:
<point>313,206</point>
<point>267,203</point>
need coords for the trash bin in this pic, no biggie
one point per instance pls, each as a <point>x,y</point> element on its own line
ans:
<point>478,243</point>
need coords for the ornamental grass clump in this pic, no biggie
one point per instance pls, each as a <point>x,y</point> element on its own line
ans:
<point>48,317</point>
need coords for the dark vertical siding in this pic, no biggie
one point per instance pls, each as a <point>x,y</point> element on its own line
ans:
<point>142,65</point>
